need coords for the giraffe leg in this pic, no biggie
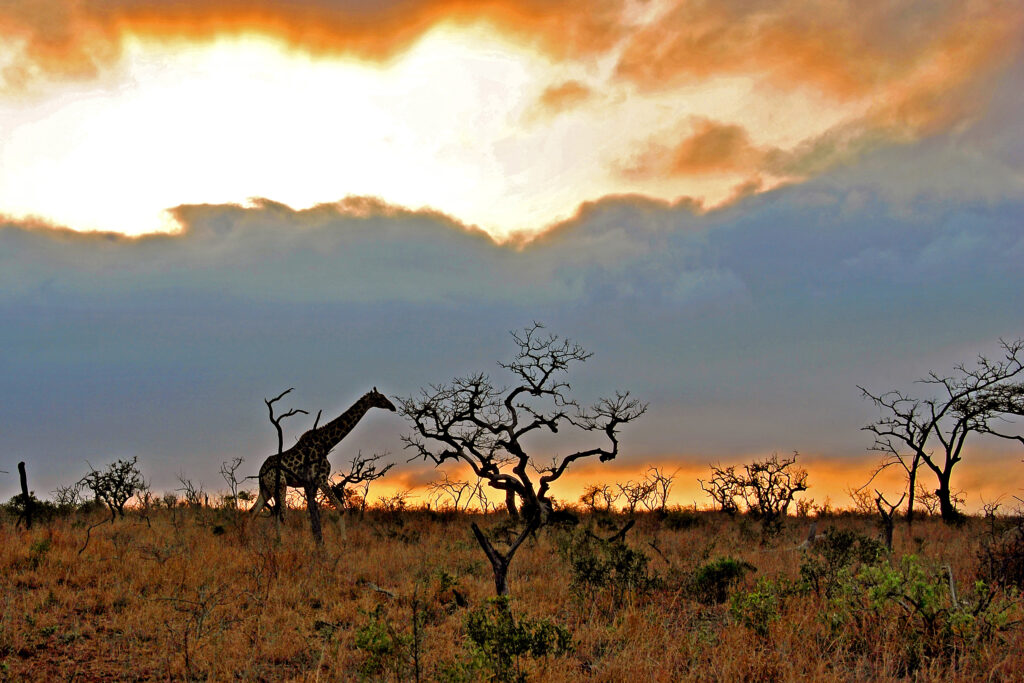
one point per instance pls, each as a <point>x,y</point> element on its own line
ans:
<point>257,507</point>
<point>329,492</point>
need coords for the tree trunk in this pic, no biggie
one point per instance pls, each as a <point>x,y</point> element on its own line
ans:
<point>950,515</point>
<point>499,562</point>
<point>912,492</point>
<point>510,504</point>
<point>25,496</point>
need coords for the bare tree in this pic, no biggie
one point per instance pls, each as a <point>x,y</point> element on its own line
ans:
<point>69,497</point>
<point>115,485</point>
<point>229,470</point>
<point>361,471</point>
<point>933,431</point>
<point>473,421</point>
<point>599,497</point>
<point>661,484</point>
<point>452,494</point>
<point>192,492</point>
<point>887,511</point>
<point>635,493</point>
<point>770,486</point>
<point>766,487</point>
<point>723,488</point>
<point>276,420</point>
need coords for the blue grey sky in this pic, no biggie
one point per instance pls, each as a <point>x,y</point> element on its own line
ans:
<point>823,200</point>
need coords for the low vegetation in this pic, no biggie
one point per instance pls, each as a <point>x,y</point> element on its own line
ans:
<point>194,592</point>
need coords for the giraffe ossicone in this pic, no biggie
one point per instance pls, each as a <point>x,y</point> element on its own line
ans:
<point>306,461</point>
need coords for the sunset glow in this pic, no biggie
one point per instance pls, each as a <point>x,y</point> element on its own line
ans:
<point>467,118</point>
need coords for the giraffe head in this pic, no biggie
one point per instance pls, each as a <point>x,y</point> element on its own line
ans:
<point>379,400</point>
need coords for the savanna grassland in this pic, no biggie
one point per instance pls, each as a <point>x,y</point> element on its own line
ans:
<point>202,594</point>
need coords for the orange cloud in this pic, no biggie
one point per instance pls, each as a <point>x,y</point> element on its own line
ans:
<point>75,38</point>
<point>564,96</point>
<point>912,61</point>
<point>709,147</point>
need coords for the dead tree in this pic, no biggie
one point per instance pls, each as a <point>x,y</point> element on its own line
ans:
<point>723,486</point>
<point>276,421</point>
<point>361,471</point>
<point>229,471</point>
<point>25,514</point>
<point>473,421</point>
<point>635,493</point>
<point>887,511</point>
<point>599,497</point>
<point>661,484</point>
<point>932,431</point>
<point>766,487</point>
<point>450,492</point>
<point>770,486</point>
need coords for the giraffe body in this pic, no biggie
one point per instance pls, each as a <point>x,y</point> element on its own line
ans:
<point>306,461</point>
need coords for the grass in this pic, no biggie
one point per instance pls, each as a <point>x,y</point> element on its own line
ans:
<point>200,594</point>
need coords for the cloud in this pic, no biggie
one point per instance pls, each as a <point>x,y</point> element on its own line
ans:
<point>911,70</point>
<point>850,49</point>
<point>564,96</point>
<point>77,38</point>
<point>710,147</point>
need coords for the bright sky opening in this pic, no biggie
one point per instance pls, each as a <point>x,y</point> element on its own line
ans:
<point>468,119</point>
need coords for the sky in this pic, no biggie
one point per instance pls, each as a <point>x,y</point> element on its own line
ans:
<point>744,209</point>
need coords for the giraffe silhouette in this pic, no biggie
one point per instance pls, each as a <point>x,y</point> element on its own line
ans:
<point>306,461</point>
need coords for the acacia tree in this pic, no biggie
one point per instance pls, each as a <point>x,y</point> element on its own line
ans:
<point>723,486</point>
<point>114,485</point>
<point>766,487</point>
<point>933,431</point>
<point>661,484</point>
<point>635,493</point>
<point>487,427</point>
<point>599,497</point>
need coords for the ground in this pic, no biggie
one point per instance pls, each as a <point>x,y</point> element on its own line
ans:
<point>204,594</point>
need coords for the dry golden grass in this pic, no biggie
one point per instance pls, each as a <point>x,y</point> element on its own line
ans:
<point>171,599</point>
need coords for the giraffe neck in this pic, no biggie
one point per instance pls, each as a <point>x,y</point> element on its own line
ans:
<point>328,436</point>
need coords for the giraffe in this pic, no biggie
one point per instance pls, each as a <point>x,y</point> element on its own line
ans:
<point>307,459</point>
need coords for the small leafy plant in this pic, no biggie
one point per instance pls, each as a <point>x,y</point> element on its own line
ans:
<point>500,641</point>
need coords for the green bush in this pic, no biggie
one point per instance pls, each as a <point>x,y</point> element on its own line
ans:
<point>936,619</point>
<point>500,641</point>
<point>833,553</point>
<point>758,608</point>
<point>610,567</point>
<point>384,648</point>
<point>710,583</point>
